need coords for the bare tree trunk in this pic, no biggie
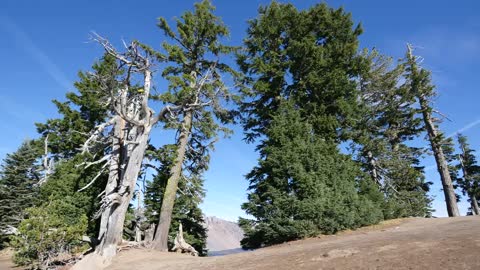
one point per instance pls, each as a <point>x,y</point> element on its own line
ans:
<point>474,205</point>
<point>121,195</point>
<point>373,168</point>
<point>442,166</point>
<point>149,233</point>
<point>161,235</point>
<point>473,200</point>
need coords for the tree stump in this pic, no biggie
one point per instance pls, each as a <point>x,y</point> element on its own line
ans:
<point>182,246</point>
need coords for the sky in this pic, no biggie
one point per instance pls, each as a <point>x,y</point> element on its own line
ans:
<point>45,43</point>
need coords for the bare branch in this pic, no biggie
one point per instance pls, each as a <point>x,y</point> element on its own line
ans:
<point>93,180</point>
<point>96,134</point>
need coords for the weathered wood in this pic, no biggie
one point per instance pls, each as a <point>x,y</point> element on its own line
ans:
<point>132,121</point>
<point>181,246</point>
<point>149,233</point>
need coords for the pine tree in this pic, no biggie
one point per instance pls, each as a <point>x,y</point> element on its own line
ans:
<point>421,88</point>
<point>82,111</point>
<point>388,120</point>
<point>309,56</point>
<point>19,174</point>
<point>470,182</point>
<point>197,93</point>
<point>186,210</point>
<point>301,96</point>
<point>303,186</point>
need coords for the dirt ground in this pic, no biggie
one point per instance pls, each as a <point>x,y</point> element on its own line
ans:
<point>5,259</point>
<point>442,243</point>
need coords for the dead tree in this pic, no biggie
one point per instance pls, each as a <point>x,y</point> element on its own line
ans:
<point>423,90</point>
<point>181,246</point>
<point>125,134</point>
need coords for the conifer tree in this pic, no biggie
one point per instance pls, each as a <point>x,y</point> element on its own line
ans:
<point>309,56</point>
<point>197,93</point>
<point>301,97</point>
<point>186,210</point>
<point>19,174</point>
<point>421,88</point>
<point>388,121</point>
<point>83,110</point>
<point>469,183</point>
<point>303,186</point>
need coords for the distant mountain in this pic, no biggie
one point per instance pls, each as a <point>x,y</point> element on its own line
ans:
<point>223,237</point>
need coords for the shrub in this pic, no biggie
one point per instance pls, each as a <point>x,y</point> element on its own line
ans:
<point>51,233</point>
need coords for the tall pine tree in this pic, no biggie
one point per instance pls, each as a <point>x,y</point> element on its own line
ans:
<point>19,175</point>
<point>419,81</point>
<point>387,122</point>
<point>197,93</point>
<point>186,210</point>
<point>469,183</point>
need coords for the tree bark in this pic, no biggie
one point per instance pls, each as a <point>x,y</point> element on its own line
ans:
<point>442,166</point>
<point>160,241</point>
<point>121,197</point>
<point>129,143</point>
<point>474,205</point>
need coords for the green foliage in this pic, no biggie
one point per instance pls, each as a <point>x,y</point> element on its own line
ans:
<point>307,56</point>
<point>303,186</point>
<point>19,175</point>
<point>49,232</point>
<point>186,209</point>
<point>469,184</point>
<point>81,112</point>
<point>195,72</point>
<point>388,121</point>
<point>67,179</point>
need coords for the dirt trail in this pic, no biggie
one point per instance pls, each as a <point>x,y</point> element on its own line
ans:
<point>443,243</point>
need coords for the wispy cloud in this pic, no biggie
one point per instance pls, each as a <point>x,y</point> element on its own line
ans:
<point>465,128</point>
<point>460,130</point>
<point>36,53</point>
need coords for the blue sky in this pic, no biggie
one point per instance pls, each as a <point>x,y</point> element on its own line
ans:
<point>45,43</point>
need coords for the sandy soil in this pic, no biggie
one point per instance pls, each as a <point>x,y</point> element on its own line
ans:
<point>443,243</point>
<point>5,259</point>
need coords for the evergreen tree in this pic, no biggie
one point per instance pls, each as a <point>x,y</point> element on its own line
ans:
<point>197,94</point>
<point>19,174</point>
<point>186,210</point>
<point>303,186</point>
<point>49,234</point>
<point>388,121</point>
<point>309,56</point>
<point>470,182</point>
<point>420,86</point>
<point>82,111</point>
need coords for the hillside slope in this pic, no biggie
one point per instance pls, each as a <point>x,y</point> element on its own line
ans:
<point>443,243</point>
<point>222,234</point>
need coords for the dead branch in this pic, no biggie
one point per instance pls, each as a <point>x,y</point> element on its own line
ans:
<point>96,134</point>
